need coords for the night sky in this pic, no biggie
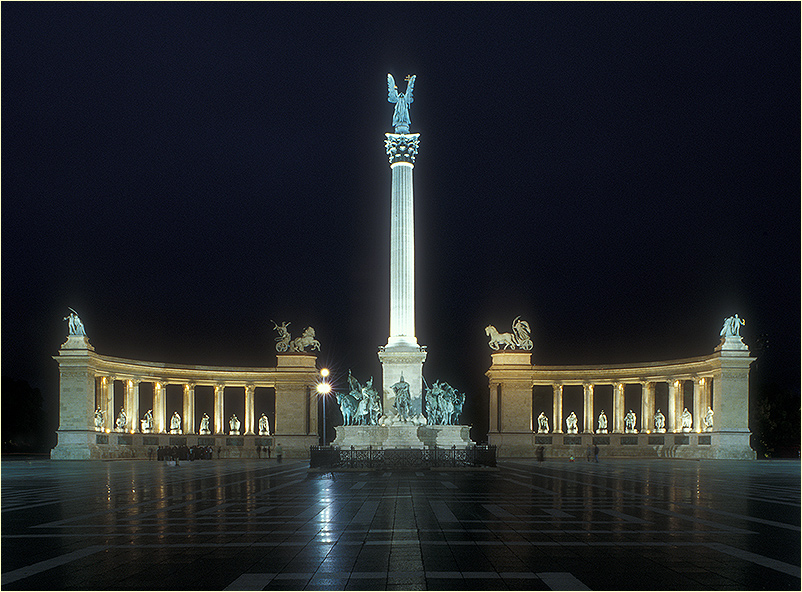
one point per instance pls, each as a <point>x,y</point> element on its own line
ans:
<point>623,176</point>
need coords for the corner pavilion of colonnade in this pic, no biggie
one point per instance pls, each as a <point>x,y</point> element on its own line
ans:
<point>87,383</point>
<point>720,382</point>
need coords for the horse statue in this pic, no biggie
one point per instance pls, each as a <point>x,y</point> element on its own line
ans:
<point>497,339</point>
<point>348,406</point>
<point>305,340</point>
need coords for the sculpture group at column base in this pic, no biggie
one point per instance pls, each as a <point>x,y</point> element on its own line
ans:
<point>402,435</point>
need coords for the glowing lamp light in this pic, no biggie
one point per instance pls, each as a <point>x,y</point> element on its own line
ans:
<point>324,372</point>
<point>324,388</point>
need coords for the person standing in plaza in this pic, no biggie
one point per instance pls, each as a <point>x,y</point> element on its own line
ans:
<point>589,452</point>
<point>595,452</point>
<point>268,451</point>
<point>279,452</point>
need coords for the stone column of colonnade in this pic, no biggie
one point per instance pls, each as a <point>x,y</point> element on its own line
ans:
<point>188,412</point>
<point>159,408</point>
<point>647,406</point>
<point>618,407</point>
<point>132,404</point>
<point>557,402</point>
<point>588,408</point>
<point>107,405</point>
<point>219,419</point>
<point>249,409</point>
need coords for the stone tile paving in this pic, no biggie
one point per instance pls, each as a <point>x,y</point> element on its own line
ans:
<point>258,525</point>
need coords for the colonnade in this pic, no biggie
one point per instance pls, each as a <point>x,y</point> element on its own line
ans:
<point>87,382</point>
<point>190,424</point>
<point>702,399</point>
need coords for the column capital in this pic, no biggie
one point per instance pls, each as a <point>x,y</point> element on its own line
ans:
<point>401,148</point>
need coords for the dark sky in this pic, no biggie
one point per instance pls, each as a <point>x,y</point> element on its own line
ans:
<point>623,176</point>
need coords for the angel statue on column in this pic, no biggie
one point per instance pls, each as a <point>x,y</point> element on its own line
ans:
<point>402,102</point>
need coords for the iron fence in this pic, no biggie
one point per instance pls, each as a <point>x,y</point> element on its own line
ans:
<point>401,458</point>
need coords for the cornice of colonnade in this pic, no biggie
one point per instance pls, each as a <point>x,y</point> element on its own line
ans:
<point>294,367</point>
<point>639,372</point>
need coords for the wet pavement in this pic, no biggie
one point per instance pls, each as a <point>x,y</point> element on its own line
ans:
<point>255,524</point>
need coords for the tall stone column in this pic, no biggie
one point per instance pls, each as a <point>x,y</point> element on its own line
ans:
<point>698,401</point>
<point>647,406</point>
<point>219,402</point>
<point>588,408</point>
<point>402,356</point>
<point>249,408</point>
<point>159,408</point>
<point>557,402</point>
<point>132,404</point>
<point>674,424</point>
<point>618,407</point>
<point>77,369</point>
<point>108,404</point>
<point>189,408</point>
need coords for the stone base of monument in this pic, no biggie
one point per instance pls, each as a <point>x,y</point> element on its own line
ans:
<point>693,445</point>
<point>87,445</point>
<point>402,436</point>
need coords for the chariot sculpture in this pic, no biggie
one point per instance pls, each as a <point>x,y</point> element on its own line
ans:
<point>285,342</point>
<point>518,339</point>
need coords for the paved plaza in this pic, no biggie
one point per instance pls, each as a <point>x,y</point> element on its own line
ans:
<point>256,524</point>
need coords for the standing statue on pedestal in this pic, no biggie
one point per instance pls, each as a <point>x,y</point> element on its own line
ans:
<point>630,420</point>
<point>204,425</point>
<point>76,327</point>
<point>402,102</point>
<point>570,423</point>
<point>403,400</point>
<point>98,419</point>
<point>264,426</point>
<point>234,425</point>
<point>146,423</point>
<point>659,422</point>
<point>122,420</point>
<point>602,423</point>
<point>707,425</point>
<point>687,420</point>
<point>542,423</point>
<point>732,327</point>
<point>175,423</point>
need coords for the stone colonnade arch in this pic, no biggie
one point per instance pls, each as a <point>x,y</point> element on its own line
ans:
<point>88,378</point>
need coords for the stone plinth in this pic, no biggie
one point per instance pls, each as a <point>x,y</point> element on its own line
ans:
<point>407,361</point>
<point>403,436</point>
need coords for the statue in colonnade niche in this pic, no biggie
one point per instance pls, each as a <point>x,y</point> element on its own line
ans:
<point>147,422</point>
<point>76,327</point>
<point>175,423</point>
<point>687,420</point>
<point>602,423</point>
<point>204,425</point>
<point>570,423</point>
<point>542,423</point>
<point>707,422</point>
<point>234,425</point>
<point>732,327</point>
<point>122,420</point>
<point>630,419</point>
<point>98,415</point>
<point>264,426</point>
<point>659,422</point>
<point>518,339</point>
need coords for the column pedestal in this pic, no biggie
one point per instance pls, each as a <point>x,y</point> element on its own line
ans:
<point>406,361</point>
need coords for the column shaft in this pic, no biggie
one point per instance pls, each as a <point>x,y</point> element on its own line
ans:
<point>108,404</point>
<point>618,407</point>
<point>647,407</point>
<point>219,419</point>
<point>673,418</point>
<point>402,258</point>
<point>132,405</point>
<point>588,408</point>
<point>249,409</point>
<point>159,408</point>
<point>189,409</point>
<point>698,410</point>
<point>557,401</point>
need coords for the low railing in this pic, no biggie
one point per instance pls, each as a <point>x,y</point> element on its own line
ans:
<point>401,458</point>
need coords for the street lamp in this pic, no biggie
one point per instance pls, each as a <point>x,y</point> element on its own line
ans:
<point>323,389</point>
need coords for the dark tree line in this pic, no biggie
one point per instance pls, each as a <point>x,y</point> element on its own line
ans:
<point>26,426</point>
